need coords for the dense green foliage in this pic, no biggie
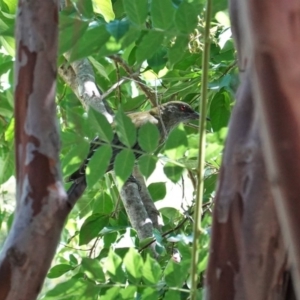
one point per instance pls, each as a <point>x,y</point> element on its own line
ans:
<point>162,41</point>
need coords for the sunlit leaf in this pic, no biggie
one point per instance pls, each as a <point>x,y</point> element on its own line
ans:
<point>113,265</point>
<point>133,263</point>
<point>152,271</point>
<point>104,7</point>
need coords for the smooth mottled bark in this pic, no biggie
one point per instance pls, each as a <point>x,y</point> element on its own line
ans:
<point>41,202</point>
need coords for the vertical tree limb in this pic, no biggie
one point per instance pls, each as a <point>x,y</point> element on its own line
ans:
<point>248,258</point>
<point>41,200</point>
<point>275,49</point>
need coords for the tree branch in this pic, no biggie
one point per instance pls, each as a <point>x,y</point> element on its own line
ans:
<point>135,76</point>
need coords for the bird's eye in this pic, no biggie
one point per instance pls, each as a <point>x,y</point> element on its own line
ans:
<point>182,107</point>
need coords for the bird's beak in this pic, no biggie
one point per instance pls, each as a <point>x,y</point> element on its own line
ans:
<point>196,116</point>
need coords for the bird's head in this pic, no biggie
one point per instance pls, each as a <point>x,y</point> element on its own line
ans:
<point>175,112</point>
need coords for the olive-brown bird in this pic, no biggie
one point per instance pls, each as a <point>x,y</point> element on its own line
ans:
<point>166,117</point>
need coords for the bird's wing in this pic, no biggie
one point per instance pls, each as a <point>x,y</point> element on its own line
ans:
<point>139,119</point>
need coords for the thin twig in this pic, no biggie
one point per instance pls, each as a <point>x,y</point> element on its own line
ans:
<point>133,75</point>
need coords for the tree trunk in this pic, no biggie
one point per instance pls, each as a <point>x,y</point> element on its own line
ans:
<point>42,204</point>
<point>248,257</point>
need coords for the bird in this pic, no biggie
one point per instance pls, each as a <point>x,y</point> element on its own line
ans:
<point>166,117</point>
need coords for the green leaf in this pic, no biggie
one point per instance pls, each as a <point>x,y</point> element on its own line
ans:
<point>104,7</point>
<point>85,8</point>
<point>128,293</point>
<point>59,270</point>
<point>73,260</point>
<point>125,129</point>
<point>68,37</point>
<point>136,10</point>
<point>123,165</point>
<point>75,288</point>
<point>149,293</point>
<point>8,43</point>
<point>162,14</point>
<point>99,67</point>
<point>101,125</point>
<point>6,110</point>
<point>103,204</point>
<point>173,172</point>
<point>149,44</point>
<point>90,42</point>
<point>7,24</point>
<point>7,163</point>
<point>157,190</point>
<point>158,60</point>
<point>113,265</point>
<point>176,144</point>
<point>148,137</point>
<point>73,159</point>
<point>91,228</point>
<point>176,274</point>
<point>93,268</point>
<point>172,295</point>
<point>112,293</point>
<point>147,164</point>
<point>210,185</point>
<point>131,36</point>
<point>220,110</point>
<point>186,17</point>
<point>133,263</point>
<point>12,4</point>
<point>152,271</point>
<point>98,165</point>
<point>213,151</point>
<point>177,51</point>
<point>118,28</point>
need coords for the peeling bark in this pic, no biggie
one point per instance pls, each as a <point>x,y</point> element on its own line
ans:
<point>248,258</point>
<point>42,205</point>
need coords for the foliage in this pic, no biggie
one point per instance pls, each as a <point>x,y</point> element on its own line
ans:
<point>161,40</point>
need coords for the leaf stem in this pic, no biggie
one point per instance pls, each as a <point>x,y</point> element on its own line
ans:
<point>201,160</point>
